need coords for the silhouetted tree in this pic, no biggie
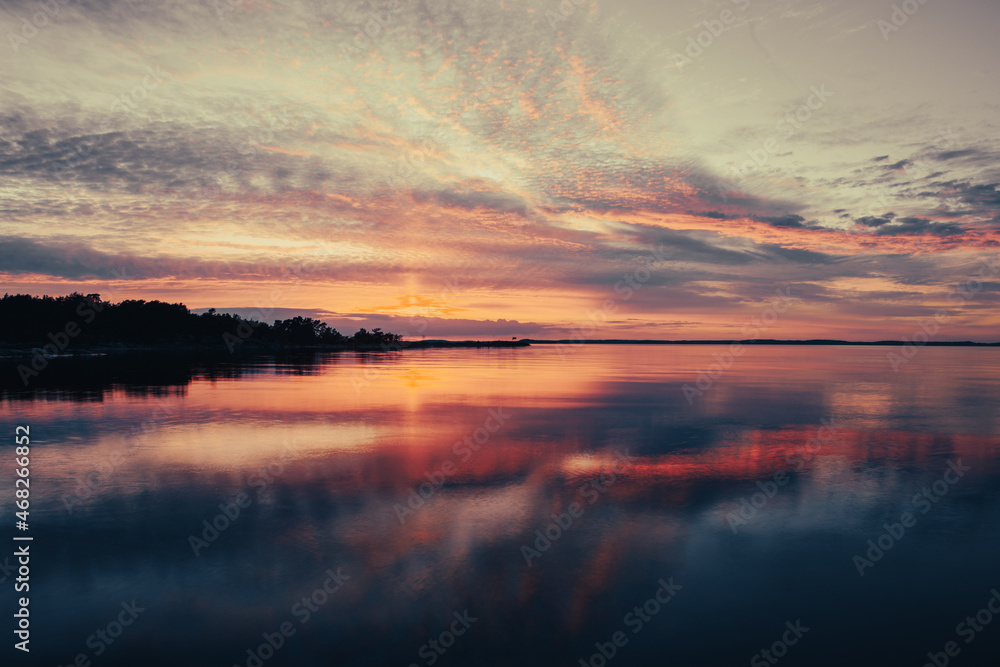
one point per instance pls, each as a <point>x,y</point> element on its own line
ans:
<point>87,319</point>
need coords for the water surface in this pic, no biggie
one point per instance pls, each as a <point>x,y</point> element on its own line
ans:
<point>328,454</point>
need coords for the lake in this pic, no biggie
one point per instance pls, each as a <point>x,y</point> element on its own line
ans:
<point>529,506</point>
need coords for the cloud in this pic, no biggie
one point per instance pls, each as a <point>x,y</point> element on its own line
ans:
<point>982,195</point>
<point>875,221</point>
<point>801,256</point>
<point>912,226</point>
<point>951,155</point>
<point>66,260</point>
<point>498,201</point>
<point>790,220</point>
<point>76,260</point>
<point>461,139</point>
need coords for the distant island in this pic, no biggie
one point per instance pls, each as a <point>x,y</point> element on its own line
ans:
<point>85,323</point>
<point>754,341</point>
<point>82,323</point>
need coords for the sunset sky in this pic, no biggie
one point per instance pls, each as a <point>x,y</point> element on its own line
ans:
<point>502,168</point>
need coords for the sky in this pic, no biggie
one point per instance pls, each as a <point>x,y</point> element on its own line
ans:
<point>535,169</point>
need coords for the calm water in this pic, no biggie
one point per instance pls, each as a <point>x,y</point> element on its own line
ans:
<point>329,453</point>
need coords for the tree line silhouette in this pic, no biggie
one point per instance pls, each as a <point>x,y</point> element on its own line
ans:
<point>86,319</point>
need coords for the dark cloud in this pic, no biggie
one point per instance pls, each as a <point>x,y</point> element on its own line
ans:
<point>699,247</point>
<point>875,221</point>
<point>961,199</point>
<point>800,256</point>
<point>982,195</point>
<point>880,158</point>
<point>112,152</point>
<point>65,260</point>
<point>912,226</point>
<point>951,155</point>
<point>689,248</point>
<point>75,260</point>
<point>473,199</point>
<point>790,220</point>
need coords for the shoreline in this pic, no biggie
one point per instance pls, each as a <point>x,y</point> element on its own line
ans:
<point>18,351</point>
<point>11,352</point>
<point>760,341</point>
